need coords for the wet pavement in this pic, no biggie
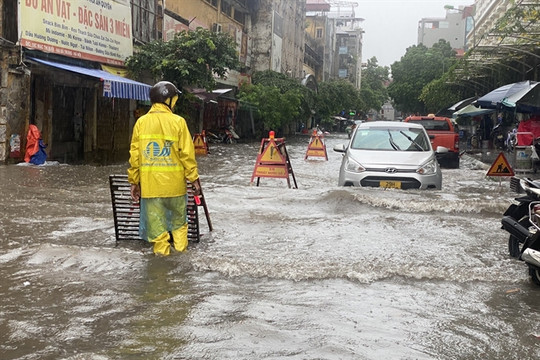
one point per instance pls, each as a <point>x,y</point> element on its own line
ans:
<point>318,272</point>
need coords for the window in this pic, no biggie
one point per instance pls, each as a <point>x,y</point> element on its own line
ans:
<point>391,140</point>
<point>145,15</point>
<point>226,8</point>
<point>319,33</point>
<point>240,17</point>
<point>9,27</point>
<point>212,2</point>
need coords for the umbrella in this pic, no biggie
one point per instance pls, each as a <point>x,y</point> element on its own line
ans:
<point>447,112</point>
<point>528,102</point>
<point>471,110</point>
<point>506,95</point>
<point>461,104</point>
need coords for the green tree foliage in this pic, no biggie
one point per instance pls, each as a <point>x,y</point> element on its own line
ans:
<point>416,69</point>
<point>373,92</point>
<point>335,96</point>
<point>286,84</point>
<point>520,23</point>
<point>190,58</point>
<point>277,99</point>
<point>438,94</point>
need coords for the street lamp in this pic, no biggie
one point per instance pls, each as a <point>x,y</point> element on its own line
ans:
<point>471,15</point>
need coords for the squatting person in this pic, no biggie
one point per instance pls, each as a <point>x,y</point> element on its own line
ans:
<point>162,158</point>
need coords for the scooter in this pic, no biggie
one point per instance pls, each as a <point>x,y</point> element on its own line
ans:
<point>530,251</point>
<point>225,135</point>
<point>520,212</point>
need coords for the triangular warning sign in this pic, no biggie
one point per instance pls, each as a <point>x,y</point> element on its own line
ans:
<point>316,147</point>
<point>199,142</point>
<point>271,154</point>
<point>500,167</point>
<point>317,144</point>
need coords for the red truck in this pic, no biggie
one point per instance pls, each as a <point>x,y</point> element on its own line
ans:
<point>443,132</point>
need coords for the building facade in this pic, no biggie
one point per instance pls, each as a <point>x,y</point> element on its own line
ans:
<point>336,38</point>
<point>451,28</point>
<point>61,65</point>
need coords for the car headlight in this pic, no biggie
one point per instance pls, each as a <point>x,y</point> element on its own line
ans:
<point>428,168</point>
<point>353,166</point>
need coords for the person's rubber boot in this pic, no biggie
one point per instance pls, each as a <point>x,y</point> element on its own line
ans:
<point>162,245</point>
<point>180,238</point>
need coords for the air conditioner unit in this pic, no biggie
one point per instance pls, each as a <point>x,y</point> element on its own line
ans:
<point>216,28</point>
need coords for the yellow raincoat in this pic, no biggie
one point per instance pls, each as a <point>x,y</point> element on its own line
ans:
<point>162,157</point>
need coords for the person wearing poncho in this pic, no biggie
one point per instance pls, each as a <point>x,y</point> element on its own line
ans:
<point>162,158</point>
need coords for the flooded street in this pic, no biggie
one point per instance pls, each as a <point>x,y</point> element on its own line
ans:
<point>318,272</point>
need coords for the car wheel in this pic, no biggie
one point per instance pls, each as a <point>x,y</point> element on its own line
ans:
<point>534,272</point>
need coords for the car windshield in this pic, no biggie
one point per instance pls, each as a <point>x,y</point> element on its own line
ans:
<point>432,124</point>
<point>394,139</point>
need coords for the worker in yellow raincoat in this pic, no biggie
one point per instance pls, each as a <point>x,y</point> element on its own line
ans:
<point>162,157</point>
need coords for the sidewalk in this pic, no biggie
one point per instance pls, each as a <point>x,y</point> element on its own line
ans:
<point>488,157</point>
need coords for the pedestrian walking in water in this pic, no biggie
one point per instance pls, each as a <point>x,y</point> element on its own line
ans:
<point>162,158</point>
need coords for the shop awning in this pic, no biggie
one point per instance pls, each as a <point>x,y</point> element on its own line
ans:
<point>206,96</point>
<point>113,85</point>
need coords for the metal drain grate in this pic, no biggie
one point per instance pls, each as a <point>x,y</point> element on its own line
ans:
<point>126,213</point>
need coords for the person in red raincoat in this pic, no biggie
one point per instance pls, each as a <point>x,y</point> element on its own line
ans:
<point>35,148</point>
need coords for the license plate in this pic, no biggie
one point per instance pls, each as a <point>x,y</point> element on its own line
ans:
<point>390,184</point>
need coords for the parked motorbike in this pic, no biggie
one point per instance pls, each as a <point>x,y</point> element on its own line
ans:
<point>225,135</point>
<point>529,237</point>
<point>520,212</point>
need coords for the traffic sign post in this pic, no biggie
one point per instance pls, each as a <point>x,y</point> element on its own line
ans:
<point>273,161</point>
<point>201,146</point>
<point>316,146</point>
<point>500,167</point>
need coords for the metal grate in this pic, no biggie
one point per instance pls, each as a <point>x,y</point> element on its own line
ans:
<point>126,213</point>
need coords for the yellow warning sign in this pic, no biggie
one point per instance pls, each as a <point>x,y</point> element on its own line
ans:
<point>500,167</point>
<point>317,144</point>
<point>271,171</point>
<point>313,152</point>
<point>271,154</point>
<point>316,147</point>
<point>273,161</point>
<point>200,144</point>
<point>198,141</point>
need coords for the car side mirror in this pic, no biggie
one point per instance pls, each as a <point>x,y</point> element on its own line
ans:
<point>441,150</point>
<point>339,148</point>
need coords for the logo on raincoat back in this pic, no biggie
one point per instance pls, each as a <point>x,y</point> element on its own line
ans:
<point>154,152</point>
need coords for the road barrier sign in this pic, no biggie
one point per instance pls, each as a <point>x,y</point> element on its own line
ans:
<point>500,167</point>
<point>273,161</point>
<point>201,146</point>
<point>316,146</point>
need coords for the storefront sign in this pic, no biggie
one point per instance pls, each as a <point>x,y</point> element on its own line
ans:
<point>97,30</point>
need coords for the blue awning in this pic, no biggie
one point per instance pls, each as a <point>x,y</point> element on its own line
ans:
<point>113,85</point>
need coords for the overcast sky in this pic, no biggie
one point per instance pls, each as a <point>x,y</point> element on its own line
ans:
<point>391,26</point>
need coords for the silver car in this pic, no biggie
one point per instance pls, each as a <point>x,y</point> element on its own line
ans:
<point>390,154</point>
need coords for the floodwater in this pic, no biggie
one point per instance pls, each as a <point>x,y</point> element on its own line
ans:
<point>318,272</point>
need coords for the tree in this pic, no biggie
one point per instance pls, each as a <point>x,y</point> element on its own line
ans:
<point>278,100</point>
<point>416,69</point>
<point>190,58</point>
<point>286,84</point>
<point>373,92</point>
<point>335,96</point>
<point>276,109</point>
